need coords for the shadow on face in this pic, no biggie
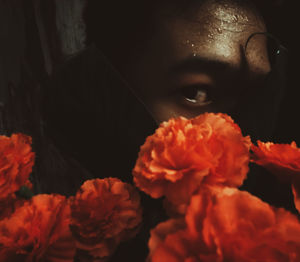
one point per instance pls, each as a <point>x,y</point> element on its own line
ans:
<point>196,61</point>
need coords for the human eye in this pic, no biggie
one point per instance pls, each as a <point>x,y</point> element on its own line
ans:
<point>196,95</point>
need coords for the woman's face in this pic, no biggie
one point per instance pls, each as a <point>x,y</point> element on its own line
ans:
<point>197,62</point>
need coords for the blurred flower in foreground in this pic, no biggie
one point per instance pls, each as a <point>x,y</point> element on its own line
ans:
<point>184,154</point>
<point>226,224</point>
<point>104,213</point>
<point>16,161</point>
<point>38,231</point>
<point>7,206</point>
<point>283,160</point>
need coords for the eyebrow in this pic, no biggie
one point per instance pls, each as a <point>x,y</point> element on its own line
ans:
<point>201,64</point>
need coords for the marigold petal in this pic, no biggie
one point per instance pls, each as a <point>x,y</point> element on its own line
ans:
<point>104,213</point>
<point>16,161</point>
<point>281,159</point>
<point>210,145</point>
<point>225,224</point>
<point>296,193</point>
<point>38,230</point>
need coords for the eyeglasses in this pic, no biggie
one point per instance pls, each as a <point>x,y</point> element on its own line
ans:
<point>275,48</point>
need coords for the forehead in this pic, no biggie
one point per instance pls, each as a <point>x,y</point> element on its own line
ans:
<point>210,16</point>
<point>198,9</point>
<point>211,28</point>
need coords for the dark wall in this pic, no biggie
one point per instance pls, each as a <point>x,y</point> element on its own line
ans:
<point>12,44</point>
<point>36,38</point>
<point>285,26</point>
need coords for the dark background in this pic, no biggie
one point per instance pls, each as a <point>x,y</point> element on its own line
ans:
<point>40,39</point>
<point>38,36</point>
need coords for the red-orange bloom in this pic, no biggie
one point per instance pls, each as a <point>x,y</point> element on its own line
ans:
<point>16,161</point>
<point>7,206</point>
<point>296,193</point>
<point>229,225</point>
<point>38,231</point>
<point>29,185</point>
<point>183,154</point>
<point>104,213</point>
<point>281,159</point>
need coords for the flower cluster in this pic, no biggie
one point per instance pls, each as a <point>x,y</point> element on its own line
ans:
<point>38,230</point>
<point>198,165</point>
<point>104,213</point>
<point>226,224</point>
<point>88,226</point>
<point>16,162</point>
<point>283,160</point>
<point>184,155</point>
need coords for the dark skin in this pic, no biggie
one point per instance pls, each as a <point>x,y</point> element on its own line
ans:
<point>198,63</point>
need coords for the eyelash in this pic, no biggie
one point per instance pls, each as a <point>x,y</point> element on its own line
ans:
<point>188,95</point>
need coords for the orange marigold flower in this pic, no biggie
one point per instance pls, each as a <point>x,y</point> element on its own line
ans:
<point>183,154</point>
<point>104,213</point>
<point>38,231</point>
<point>16,161</point>
<point>29,185</point>
<point>7,206</point>
<point>296,193</point>
<point>283,160</point>
<point>228,225</point>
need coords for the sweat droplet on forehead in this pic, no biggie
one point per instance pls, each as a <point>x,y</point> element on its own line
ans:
<point>214,31</point>
<point>188,43</point>
<point>220,25</point>
<point>229,16</point>
<point>219,30</point>
<point>225,15</point>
